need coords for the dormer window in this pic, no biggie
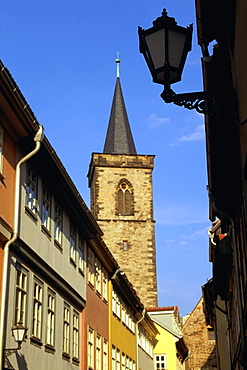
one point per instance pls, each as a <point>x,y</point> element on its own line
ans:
<point>125,198</point>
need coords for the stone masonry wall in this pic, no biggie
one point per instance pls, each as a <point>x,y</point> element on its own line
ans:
<point>139,260</point>
<point>197,336</point>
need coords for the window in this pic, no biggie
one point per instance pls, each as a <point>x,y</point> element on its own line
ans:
<point>50,325</point>
<point>98,352</point>
<point>117,359</point>
<point>90,262</point>
<point>211,335</point>
<point>98,275</point>
<point>105,355</point>
<point>105,284</point>
<point>31,190</point>
<point>1,149</point>
<point>123,361</point>
<point>81,255</point>
<point>20,295</point>
<point>160,361</point>
<point>66,328</point>
<point>113,356</point>
<point>72,240</point>
<point>58,222</point>
<point>75,335</point>
<point>90,348</point>
<point>125,245</point>
<point>115,304</point>
<point>46,208</point>
<point>37,308</point>
<point>125,201</point>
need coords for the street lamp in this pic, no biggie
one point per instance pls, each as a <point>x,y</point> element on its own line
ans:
<point>165,47</point>
<point>19,333</point>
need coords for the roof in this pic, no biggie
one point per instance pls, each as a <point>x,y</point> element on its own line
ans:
<point>119,139</point>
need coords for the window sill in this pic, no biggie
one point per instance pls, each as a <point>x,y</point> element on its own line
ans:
<point>58,245</point>
<point>75,361</point>
<point>81,272</point>
<point>46,231</point>
<point>65,356</point>
<point>2,178</point>
<point>36,342</point>
<point>72,262</point>
<point>31,214</point>
<point>49,349</point>
<point>90,285</point>
<point>98,293</point>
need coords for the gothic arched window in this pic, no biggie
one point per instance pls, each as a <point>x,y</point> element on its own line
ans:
<point>125,198</point>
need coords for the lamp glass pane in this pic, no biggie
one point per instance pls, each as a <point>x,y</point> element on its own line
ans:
<point>176,42</point>
<point>156,45</point>
<point>18,333</point>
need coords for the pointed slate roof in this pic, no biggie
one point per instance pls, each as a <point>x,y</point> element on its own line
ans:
<point>119,139</point>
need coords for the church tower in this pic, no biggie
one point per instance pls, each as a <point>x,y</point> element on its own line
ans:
<point>120,182</point>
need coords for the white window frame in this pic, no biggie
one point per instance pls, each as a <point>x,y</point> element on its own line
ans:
<point>90,348</point>
<point>118,362</point>
<point>98,275</point>
<point>76,343</point>
<point>116,304</point>
<point>31,190</point>
<point>81,255</point>
<point>46,208</point>
<point>105,354</point>
<point>38,288</point>
<point>58,223</point>
<point>91,267</point>
<point>72,241</point>
<point>113,357</point>
<point>159,360</point>
<point>21,286</point>
<point>123,361</point>
<point>98,354</point>
<point>66,329</point>
<point>104,284</point>
<point>50,320</point>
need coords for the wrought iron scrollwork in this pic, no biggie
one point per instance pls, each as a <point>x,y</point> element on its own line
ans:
<point>202,102</point>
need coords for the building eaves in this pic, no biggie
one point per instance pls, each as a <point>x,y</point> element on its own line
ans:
<point>161,324</point>
<point>13,97</point>
<point>59,180</point>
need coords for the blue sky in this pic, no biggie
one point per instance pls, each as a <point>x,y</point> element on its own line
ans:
<point>62,56</point>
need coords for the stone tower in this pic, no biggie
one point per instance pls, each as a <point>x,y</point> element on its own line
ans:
<point>120,182</point>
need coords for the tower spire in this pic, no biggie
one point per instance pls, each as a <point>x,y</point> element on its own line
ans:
<point>119,139</point>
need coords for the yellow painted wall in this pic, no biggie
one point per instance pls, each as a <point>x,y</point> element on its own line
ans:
<point>119,335</point>
<point>166,345</point>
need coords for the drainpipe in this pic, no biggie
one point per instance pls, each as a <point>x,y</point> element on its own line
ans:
<point>38,139</point>
<point>137,357</point>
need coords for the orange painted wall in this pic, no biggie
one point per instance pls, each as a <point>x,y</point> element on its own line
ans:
<point>96,316</point>
<point>8,183</point>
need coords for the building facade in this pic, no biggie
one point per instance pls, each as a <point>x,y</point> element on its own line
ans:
<point>200,340</point>
<point>170,350</point>
<point>59,279</point>
<point>223,24</point>
<point>120,182</point>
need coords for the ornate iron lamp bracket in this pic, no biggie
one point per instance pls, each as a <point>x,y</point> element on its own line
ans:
<point>202,102</point>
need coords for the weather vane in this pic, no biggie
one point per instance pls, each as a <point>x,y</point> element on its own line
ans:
<point>118,64</point>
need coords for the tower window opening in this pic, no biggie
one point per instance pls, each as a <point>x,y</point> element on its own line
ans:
<point>125,199</point>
